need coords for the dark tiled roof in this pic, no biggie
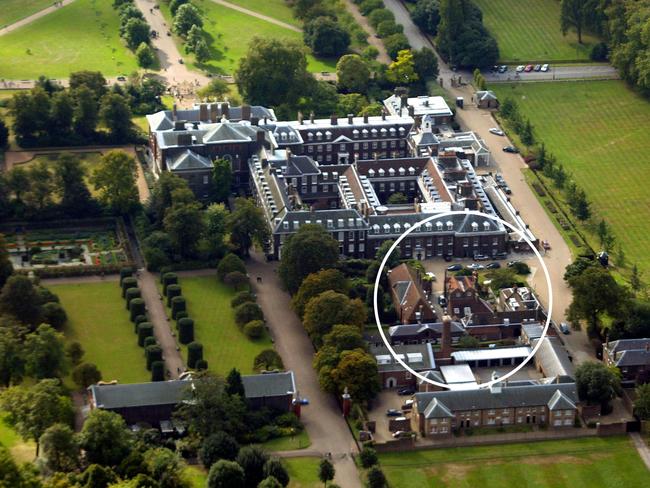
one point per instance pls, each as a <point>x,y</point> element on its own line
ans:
<point>139,394</point>
<point>635,357</point>
<point>269,385</point>
<point>559,401</point>
<point>396,331</point>
<point>189,160</point>
<point>628,344</point>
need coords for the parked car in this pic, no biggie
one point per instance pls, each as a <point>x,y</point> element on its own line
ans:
<point>501,255</point>
<point>304,401</point>
<point>481,257</point>
<point>510,149</point>
<point>497,132</point>
<point>400,434</point>
<point>503,68</point>
<point>564,327</point>
<point>499,179</point>
<point>442,301</point>
<point>506,189</point>
<point>512,263</point>
<point>447,258</point>
<point>528,68</point>
<point>475,266</point>
<point>546,245</point>
<point>180,61</point>
<point>493,266</point>
<point>408,405</point>
<point>545,68</point>
<point>455,267</point>
<point>406,391</point>
<point>538,67</point>
<point>494,68</point>
<point>121,78</point>
<point>520,68</point>
<point>393,412</point>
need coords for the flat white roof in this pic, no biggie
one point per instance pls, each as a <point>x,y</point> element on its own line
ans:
<point>491,353</point>
<point>457,373</point>
<point>473,385</point>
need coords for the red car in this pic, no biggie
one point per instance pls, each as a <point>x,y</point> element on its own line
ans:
<point>528,68</point>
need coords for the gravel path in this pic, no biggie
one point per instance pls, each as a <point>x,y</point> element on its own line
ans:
<point>373,40</point>
<point>642,448</point>
<point>252,13</point>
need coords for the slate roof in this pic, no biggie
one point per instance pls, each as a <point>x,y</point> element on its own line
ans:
<point>425,138</point>
<point>432,375</point>
<point>508,397</point>
<point>397,331</point>
<point>189,160</point>
<point>485,95</point>
<point>559,401</point>
<point>230,132</point>
<point>269,385</point>
<point>553,358</point>
<point>111,397</point>
<point>628,344</point>
<point>437,410</point>
<point>636,357</point>
<point>300,166</point>
<point>409,353</point>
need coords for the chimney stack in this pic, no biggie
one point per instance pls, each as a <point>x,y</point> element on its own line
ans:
<point>174,111</point>
<point>255,121</point>
<point>300,117</point>
<point>383,115</point>
<point>311,117</point>
<point>411,110</point>
<point>365,118</point>
<point>245,112</point>
<point>214,112</point>
<point>404,100</point>
<point>445,349</point>
<point>350,119</point>
<point>334,120</point>
<point>203,112</point>
<point>225,110</point>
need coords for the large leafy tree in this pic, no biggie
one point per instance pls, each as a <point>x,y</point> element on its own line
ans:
<point>116,115</point>
<point>252,460</point>
<point>185,225</point>
<point>218,446</point>
<point>186,16</point>
<point>86,112</point>
<point>222,180</point>
<point>12,361</point>
<point>247,225</point>
<point>642,402</point>
<point>426,15</point>
<point>575,13</point>
<point>115,178</point>
<point>596,383</point>
<point>307,251</point>
<point>20,299</point>
<point>39,195</point>
<point>402,70</point>
<point>6,268</point>
<point>161,195</point>
<point>70,185</point>
<point>326,37</point>
<point>45,353</point>
<point>315,284</point>
<point>352,74</point>
<point>136,32</point>
<point>330,308</point>
<point>93,80</point>
<point>225,474</point>
<point>105,438</point>
<point>60,448</point>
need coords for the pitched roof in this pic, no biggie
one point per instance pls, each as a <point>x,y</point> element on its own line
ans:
<point>188,160</point>
<point>559,401</point>
<point>553,358</point>
<point>628,344</point>
<point>269,385</point>
<point>139,394</point>
<point>397,331</point>
<point>432,375</point>
<point>486,95</point>
<point>635,357</point>
<point>436,409</point>
<point>229,132</point>
<point>418,356</point>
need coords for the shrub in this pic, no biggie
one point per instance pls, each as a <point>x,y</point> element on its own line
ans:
<point>129,282</point>
<point>218,446</point>
<point>138,320</point>
<point>194,354</point>
<point>132,293</point>
<point>380,15</point>
<point>396,43</point>
<point>599,52</point>
<point>145,329</point>
<point>54,314</point>
<point>86,374</point>
<point>368,457</point>
<point>153,354</point>
<point>254,329</point>
<point>236,280</point>
<point>168,279</point>
<point>125,273</point>
<point>178,305</point>
<point>246,312</point>
<point>181,315</point>
<point>150,341</point>
<point>228,264</point>
<point>388,28</point>
<point>201,365</point>
<point>521,268</point>
<point>368,6</point>
<point>242,297</point>
<point>288,420</point>
<point>171,292</point>
<point>185,330</point>
<point>136,308</point>
<point>267,360</point>
<point>158,371</point>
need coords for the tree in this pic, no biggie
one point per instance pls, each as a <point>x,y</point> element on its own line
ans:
<point>246,225</point>
<point>396,43</point>
<point>4,134</point>
<point>267,360</point>
<point>605,236</point>
<point>145,55</point>
<point>19,299</point>
<point>331,308</point>
<point>426,63</point>
<point>185,225</point>
<point>635,278</point>
<point>12,361</point>
<point>273,72</point>
<point>326,37</point>
<point>175,4</point>
<point>61,114</point>
<point>75,352</point>
<point>394,258</point>
<point>115,178</point>
<point>70,186</point>
<point>40,186</point>
<point>234,384</point>
<point>32,410</point>
<point>402,70</point>
<point>252,460</point>
<point>136,33</point>
<point>357,371</point>
<point>469,342</point>
<point>269,482</point>
<point>194,36</point>
<point>92,80</point>
<point>578,202</point>
<point>315,284</point>
<point>218,446</point>
<point>274,468</point>
<point>254,329</point>
<point>309,250</point>
<point>86,374</point>
<point>186,16</point>
<point>326,471</point>
<point>166,467</point>
<point>98,476</point>
<point>352,74</point>
<point>226,474</point>
<point>596,383</point>
<point>6,268</point>
<point>214,91</point>
<point>59,448</point>
<point>116,115</point>
<point>105,438</point>
<point>397,199</point>
<point>344,338</point>
<point>10,474</point>
<point>526,134</point>
<point>642,402</point>
<point>230,263</point>
<point>222,180</point>
<point>426,15</point>
<point>574,13</point>
<point>376,478</point>
<point>368,457</point>
<point>215,228</point>
<point>45,353</point>
<point>164,195</point>
<point>54,314</point>
<point>86,112</point>
<point>247,312</point>
<point>351,103</point>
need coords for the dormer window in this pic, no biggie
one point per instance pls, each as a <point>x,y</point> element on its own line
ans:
<point>428,226</point>
<point>383,132</point>
<point>355,133</point>
<point>310,136</point>
<point>391,172</point>
<point>402,171</point>
<point>411,170</point>
<point>474,227</point>
<point>381,172</point>
<point>402,130</point>
<point>364,132</point>
<point>328,135</point>
<point>296,225</point>
<point>285,225</point>
<point>371,172</point>
<point>450,225</point>
<point>330,224</point>
<point>392,131</point>
<point>374,132</point>
<point>341,223</point>
<point>439,225</point>
<point>319,136</point>
<point>376,229</point>
<point>386,228</point>
<point>397,227</point>
<point>486,225</point>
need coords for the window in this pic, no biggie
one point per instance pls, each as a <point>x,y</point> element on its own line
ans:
<point>328,148</point>
<point>342,147</point>
<point>356,146</point>
<point>206,179</point>
<point>365,145</point>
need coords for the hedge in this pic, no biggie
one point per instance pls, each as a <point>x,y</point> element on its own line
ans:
<point>178,305</point>
<point>131,294</point>
<point>185,330</point>
<point>168,279</point>
<point>145,329</point>
<point>194,354</point>
<point>242,297</point>
<point>229,263</point>
<point>172,291</point>
<point>129,282</point>
<point>181,315</point>
<point>201,365</point>
<point>150,341</point>
<point>246,312</point>
<point>157,371</point>
<point>138,320</point>
<point>137,308</point>
<point>125,273</point>
<point>152,353</point>
<point>254,329</point>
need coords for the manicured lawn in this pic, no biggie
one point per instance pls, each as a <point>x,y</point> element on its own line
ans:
<point>598,131</point>
<point>98,319</point>
<point>528,31</point>
<point>89,161</point>
<point>14,10</point>
<point>303,472</point>
<point>224,345</point>
<point>288,443</point>
<point>21,451</point>
<point>590,462</point>
<point>277,9</point>
<point>197,476</point>
<point>82,35</point>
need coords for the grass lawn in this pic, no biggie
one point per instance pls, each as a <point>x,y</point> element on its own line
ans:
<point>529,31</point>
<point>287,443</point>
<point>98,319</point>
<point>15,10</point>
<point>82,35</point>
<point>598,130</point>
<point>230,33</point>
<point>303,472</point>
<point>277,9</point>
<point>21,451</point>
<point>589,462</point>
<point>224,345</point>
<point>197,476</point>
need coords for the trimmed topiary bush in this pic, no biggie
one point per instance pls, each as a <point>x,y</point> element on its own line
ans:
<point>173,291</point>
<point>127,283</point>
<point>201,365</point>
<point>136,307</point>
<point>158,371</point>
<point>242,297</point>
<point>145,329</point>
<point>132,293</point>
<point>152,353</point>
<point>138,320</point>
<point>181,315</point>
<point>125,273</point>
<point>185,330</point>
<point>246,312</point>
<point>178,305</point>
<point>150,341</point>
<point>254,329</point>
<point>194,354</point>
<point>229,263</point>
<point>168,279</point>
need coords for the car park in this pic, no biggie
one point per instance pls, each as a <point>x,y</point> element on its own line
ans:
<point>406,391</point>
<point>393,412</point>
<point>506,189</point>
<point>545,68</point>
<point>475,266</point>
<point>408,405</point>
<point>564,327</point>
<point>455,267</point>
<point>494,265</point>
<point>528,68</point>
<point>520,68</point>
<point>510,149</point>
<point>503,68</point>
<point>496,131</point>
<point>538,67</point>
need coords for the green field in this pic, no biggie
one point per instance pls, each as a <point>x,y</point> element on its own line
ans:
<point>14,10</point>
<point>230,33</point>
<point>21,451</point>
<point>82,35</point>
<point>98,319</point>
<point>529,31</point>
<point>590,462</point>
<point>277,9</point>
<point>599,131</point>
<point>288,443</point>
<point>303,472</point>
<point>224,345</point>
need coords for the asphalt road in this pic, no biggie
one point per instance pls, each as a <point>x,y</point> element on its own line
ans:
<point>584,72</point>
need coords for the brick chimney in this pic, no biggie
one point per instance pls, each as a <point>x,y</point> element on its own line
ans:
<point>203,112</point>
<point>334,120</point>
<point>214,112</point>
<point>225,110</point>
<point>445,349</point>
<point>365,118</point>
<point>411,110</point>
<point>245,112</point>
<point>174,112</point>
<point>350,119</point>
